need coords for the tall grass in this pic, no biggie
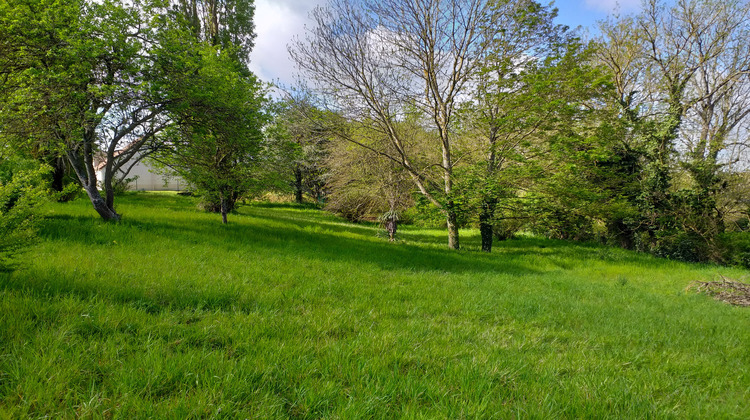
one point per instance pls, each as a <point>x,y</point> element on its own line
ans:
<point>288,312</point>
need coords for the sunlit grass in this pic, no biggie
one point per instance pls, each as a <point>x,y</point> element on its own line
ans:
<point>291,312</point>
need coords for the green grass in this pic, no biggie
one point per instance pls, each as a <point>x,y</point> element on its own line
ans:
<point>288,312</point>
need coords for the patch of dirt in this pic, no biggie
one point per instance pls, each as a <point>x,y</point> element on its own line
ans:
<point>726,290</point>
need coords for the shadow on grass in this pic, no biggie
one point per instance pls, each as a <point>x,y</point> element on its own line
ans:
<point>297,232</point>
<point>321,242</point>
<point>314,240</point>
<point>311,237</point>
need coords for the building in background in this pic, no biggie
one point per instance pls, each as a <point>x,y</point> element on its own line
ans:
<point>143,177</point>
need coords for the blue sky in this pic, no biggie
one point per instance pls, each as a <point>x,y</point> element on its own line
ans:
<point>587,12</point>
<point>278,21</point>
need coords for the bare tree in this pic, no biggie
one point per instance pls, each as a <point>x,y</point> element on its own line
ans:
<point>381,59</point>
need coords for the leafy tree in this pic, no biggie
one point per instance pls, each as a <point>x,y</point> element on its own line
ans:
<point>224,23</point>
<point>78,81</point>
<point>298,139</point>
<point>218,117</point>
<point>365,184</point>
<point>680,73</point>
<point>517,98</point>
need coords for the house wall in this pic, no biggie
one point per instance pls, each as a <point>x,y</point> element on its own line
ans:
<point>149,181</point>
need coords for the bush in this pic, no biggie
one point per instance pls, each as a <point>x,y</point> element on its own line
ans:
<point>353,206</point>
<point>566,225</point>
<point>121,185</point>
<point>683,247</point>
<point>736,248</point>
<point>21,193</point>
<point>507,228</point>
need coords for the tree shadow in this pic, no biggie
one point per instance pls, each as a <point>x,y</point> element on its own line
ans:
<point>314,237</point>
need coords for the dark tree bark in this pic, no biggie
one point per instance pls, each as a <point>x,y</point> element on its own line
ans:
<point>452,224</point>
<point>485,224</point>
<point>224,210</point>
<point>391,225</point>
<point>298,184</point>
<point>58,174</point>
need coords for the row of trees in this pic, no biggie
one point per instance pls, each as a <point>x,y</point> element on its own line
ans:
<point>485,111</point>
<point>496,114</point>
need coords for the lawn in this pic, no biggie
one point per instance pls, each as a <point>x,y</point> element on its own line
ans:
<point>289,312</point>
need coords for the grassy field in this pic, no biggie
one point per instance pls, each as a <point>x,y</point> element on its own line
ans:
<point>288,312</point>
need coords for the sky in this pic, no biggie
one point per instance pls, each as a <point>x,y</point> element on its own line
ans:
<point>277,22</point>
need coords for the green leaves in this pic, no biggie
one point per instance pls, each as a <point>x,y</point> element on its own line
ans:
<point>21,193</point>
<point>219,113</point>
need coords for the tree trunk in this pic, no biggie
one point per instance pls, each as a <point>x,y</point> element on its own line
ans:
<point>452,222</point>
<point>109,192</point>
<point>58,174</point>
<point>391,225</point>
<point>298,185</point>
<point>106,212</point>
<point>84,169</point>
<point>224,209</point>
<point>485,225</point>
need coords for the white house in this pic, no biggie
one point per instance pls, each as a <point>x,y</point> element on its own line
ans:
<point>145,178</point>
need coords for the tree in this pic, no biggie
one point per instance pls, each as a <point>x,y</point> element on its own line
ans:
<point>524,83</point>
<point>218,117</point>
<point>78,80</point>
<point>680,73</point>
<point>378,59</point>
<point>299,138</point>
<point>224,23</point>
<point>365,184</point>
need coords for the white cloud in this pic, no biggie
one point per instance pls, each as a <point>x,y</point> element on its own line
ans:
<point>276,23</point>
<point>609,6</point>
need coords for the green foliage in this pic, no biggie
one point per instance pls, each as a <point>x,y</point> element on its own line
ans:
<point>296,147</point>
<point>81,83</point>
<point>122,185</point>
<point>736,248</point>
<point>219,115</point>
<point>364,184</point>
<point>228,24</point>
<point>425,214</point>
<point>22,190</point>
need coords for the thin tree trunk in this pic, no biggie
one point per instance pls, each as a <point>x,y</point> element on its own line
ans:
<point>86,174</point>
<point>58,174</point>
<point>107,213</point>
<point>224,211</point>
<point>298,185</point>
<point>485,225</point>
<point>452,222</point>
<point>109,192</point>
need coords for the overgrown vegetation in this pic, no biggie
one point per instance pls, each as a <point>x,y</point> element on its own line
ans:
<point>22,191</point>
<point>483,113</point>
<point>290,312</point>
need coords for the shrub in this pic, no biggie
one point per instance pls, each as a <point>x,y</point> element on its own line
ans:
<point>353,206</point>
<point>683,246</point>
<point>21,193</point>
<point>507,228</point>
<point>121,185</point>
<point>736,248</point>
